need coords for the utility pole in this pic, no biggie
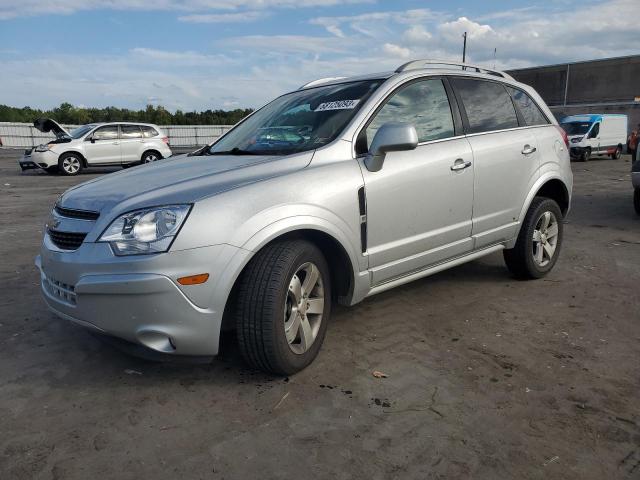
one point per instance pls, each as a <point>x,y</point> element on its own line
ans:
<point>464,48</point>
<point>495,50</point>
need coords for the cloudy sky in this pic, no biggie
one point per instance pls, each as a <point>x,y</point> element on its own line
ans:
<point>199,54</point>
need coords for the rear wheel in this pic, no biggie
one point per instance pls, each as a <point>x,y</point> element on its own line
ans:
<point>70,164</point>
<point>283,306</point>
<point>636,200</point>
<point>150,156</point>
<point>538,246</point>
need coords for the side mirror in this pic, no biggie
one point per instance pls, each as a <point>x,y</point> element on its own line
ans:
<point>390,137</point>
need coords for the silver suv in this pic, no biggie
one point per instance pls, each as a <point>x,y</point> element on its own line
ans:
<point>98,145</point>
<point>340,190</point>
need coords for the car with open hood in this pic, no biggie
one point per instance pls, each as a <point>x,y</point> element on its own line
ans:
<point>342,189</point>
<point>98,145</point>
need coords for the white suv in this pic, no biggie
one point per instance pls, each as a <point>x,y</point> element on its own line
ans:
<point>99,144</point>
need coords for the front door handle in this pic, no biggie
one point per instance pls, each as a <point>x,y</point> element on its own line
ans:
<point>115,143</point>
<point>528,150</point>
<point>460,164</point>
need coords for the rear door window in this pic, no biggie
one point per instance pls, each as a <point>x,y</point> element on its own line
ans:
<point>424,104</point>
<point>487,104</point>
<point>530,112</point>
<point>131,131</point>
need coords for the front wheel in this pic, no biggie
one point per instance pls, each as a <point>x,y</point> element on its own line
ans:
<point>636,200</point>
<point>70,164</point>
<point>538,246</point>
<point>283,306</point>
<point>586,155</point>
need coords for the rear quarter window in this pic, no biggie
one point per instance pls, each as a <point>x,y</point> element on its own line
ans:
<point>149,131</point>
<point>530,111</point>
<point>487,104</point>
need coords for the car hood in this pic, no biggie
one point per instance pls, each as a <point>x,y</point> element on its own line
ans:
<point>179,179</point>
<point>46,125</point>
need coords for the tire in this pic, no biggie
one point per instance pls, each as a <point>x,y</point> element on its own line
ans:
<point>267,302</point>
<point>617,154</point>
<point>530,259</point>
<point>636,200</point>
<point>150,156</point>
<point>70,164</point>
<point>586,154</point>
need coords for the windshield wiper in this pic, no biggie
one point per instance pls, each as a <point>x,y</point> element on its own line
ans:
<point>234,151</point>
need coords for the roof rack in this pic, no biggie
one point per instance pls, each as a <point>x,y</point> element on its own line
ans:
<point>426,63</point>
<point>320,81</point>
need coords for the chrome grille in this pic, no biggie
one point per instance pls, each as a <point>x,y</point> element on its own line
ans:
<point>62,291</point>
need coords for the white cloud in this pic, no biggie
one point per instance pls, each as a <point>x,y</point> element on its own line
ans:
<point>417,34</point>
<point>20,8</point>
<point>243,17</point>
<point>249,70</point>
<point>396,50</point>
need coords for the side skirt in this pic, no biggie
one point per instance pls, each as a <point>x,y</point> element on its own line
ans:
<point>433,269</point>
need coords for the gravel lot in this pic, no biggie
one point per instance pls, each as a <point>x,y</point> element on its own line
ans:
<point>488,377</point>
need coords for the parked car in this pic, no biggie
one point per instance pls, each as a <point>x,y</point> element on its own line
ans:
<point>99,144</point>
<point>595,135</point>
<point>390,178</point>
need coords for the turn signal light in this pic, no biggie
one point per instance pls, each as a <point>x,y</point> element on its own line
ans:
<point>194,279</point>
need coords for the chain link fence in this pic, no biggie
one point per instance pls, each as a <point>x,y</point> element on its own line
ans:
<point>25,135</point>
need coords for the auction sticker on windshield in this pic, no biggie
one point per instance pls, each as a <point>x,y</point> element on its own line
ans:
<point>337,105</point>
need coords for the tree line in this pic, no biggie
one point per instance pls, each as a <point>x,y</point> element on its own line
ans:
<point>68,114</point>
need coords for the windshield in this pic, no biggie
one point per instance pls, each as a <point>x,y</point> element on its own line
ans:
<point>80,131</point>
<point>297,122</point>
<point>576,128</point>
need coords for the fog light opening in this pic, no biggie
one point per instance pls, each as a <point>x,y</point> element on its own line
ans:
<point>158,341</point>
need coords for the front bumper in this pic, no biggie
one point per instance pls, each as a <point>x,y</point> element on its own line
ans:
<point>44,159</point>
<point>26,162</point>
<point>138,298</point>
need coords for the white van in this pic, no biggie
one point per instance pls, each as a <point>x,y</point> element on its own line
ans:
<point>595,134</point>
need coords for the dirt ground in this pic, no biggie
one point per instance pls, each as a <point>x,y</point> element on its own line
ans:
<point>488,377</point>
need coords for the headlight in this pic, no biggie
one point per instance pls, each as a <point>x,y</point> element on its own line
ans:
<point>43,148</point>
<point>576,140</point>
<point>150,230</point>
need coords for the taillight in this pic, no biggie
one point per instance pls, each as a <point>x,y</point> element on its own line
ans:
<point>564,135</point>
<point>165,140</point>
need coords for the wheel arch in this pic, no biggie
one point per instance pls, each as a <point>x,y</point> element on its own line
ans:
<point>147,150</point>
<point>342,268</point>
<point>550,186</point>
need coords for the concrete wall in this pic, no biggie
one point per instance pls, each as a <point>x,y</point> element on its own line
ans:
<point>23,135</point>
<point>610,85</point>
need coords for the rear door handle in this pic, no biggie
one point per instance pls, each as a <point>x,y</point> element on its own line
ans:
<point>528,150</point>
<point>460,164</point>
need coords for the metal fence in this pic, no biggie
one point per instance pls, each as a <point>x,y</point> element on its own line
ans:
<point>23,135</point>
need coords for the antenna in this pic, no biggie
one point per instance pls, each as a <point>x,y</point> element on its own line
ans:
<point>464,48</point>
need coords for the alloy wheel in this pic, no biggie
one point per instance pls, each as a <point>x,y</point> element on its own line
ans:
<point>150,157</point>
<point>71,165</point>
<point>304,307</point>
<point>545,238</point>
